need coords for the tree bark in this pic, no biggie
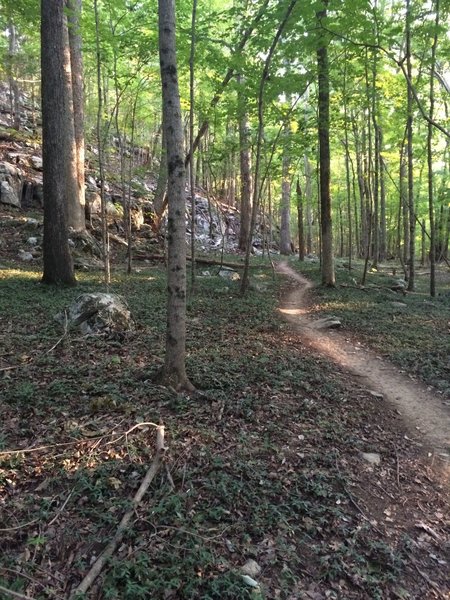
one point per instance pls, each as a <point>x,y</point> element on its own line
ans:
<point>174,370</point>
<point>285,208</point>
<point>409,154</point>
<point>300,223</point>
<point>10,64</point>
<point>430,157</point>
<point>328,276</point>
<point>77,218</point>
<point>245,169</point>
<point>191,138</point>
<point>57,137</point>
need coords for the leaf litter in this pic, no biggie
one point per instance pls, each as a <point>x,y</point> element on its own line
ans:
<point>264,467</point>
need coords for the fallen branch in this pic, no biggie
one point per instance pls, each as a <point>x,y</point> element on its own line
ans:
<point>202,261</point>
<point>98,565</point>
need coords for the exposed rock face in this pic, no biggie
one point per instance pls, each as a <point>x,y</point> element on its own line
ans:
<point>10,185</point>
<point>97,313</point>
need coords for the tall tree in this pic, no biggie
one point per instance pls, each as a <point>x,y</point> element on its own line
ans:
<point>56,132</point>
<point>77,220</point>
<point>409,153</point>
<point>285,207</point>
<point>328,276</point>
<point>174,369</point>
<point>430,154</point>
<point>245,166</point>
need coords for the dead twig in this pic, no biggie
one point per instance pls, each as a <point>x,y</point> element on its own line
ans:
<point>127,433</point>
<point>58,514</point>
<point>425,577</point>
<point>14,594</point>
<point>98,565</point>
<point>23,526</point>
<point>35,581</point>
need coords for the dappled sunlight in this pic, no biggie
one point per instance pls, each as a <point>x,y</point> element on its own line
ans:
<point>18,274</point>
<point>293,311</point>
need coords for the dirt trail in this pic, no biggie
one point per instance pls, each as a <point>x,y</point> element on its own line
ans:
<point>424,413</point>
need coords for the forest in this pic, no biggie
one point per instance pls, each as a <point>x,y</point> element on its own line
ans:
<point>224,299</point>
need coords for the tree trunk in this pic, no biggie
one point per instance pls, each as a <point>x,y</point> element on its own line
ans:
<point>191,138</point>
<point>77,215</point>
<point>409,154</point>
<point>309,209</point>
<point>300,224</point>
<point>174,370</point>
<point>10,64</point>
<point>245,168</point>
<point>160,197</point>
<point>285,207</point>
<point>430,157</point>
<point>259,141</point>
<point>57,137</point>
<point>328,276</point>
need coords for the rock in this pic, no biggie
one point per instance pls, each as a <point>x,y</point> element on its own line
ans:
<point>32,241</point>
<point>399,304</point>
<point>251,568</point>
<point>250,581</point>
<point>25,256</point>
<point>96,313</point>
<point>372,458</point>
<point>93,203</point>
<point>36,161</point>
<point>376,395</point>
<point>10,185</point>
<point>227,273</point>
<point>327,323</point>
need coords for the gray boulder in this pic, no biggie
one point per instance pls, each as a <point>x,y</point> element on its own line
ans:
<point>10,185</point>
<point>97,313</point>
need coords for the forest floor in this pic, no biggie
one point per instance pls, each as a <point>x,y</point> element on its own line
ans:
<point>286,476</point>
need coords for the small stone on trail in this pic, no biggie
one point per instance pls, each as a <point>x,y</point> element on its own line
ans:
<point>327,323</point>
<point>251,568</point>
<point>250,581</point>
<point>32,241</point>
<point>377,395</point>
<point>372,457</point>
<point>399,304</point>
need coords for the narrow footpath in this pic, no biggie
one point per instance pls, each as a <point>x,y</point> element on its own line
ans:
<point>426,417</point>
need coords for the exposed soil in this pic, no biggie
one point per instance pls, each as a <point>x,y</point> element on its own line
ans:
<point>424,412</point>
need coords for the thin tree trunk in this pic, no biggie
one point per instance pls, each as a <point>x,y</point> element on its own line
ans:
<point>309,209</point>
<point>191,139</point>
<point>347,170</point>
<point>285,207</point>
<point>430,156</point>
<point>300,223</point>
<point>76,63</point>
<point>409,154</point>
<point>10,63</point>
<point>259,139</point>
<point>105,236</point>
<point>245,168</point>
<point>174,370</point>
<point>328,276</point>
<point>230,73</point>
